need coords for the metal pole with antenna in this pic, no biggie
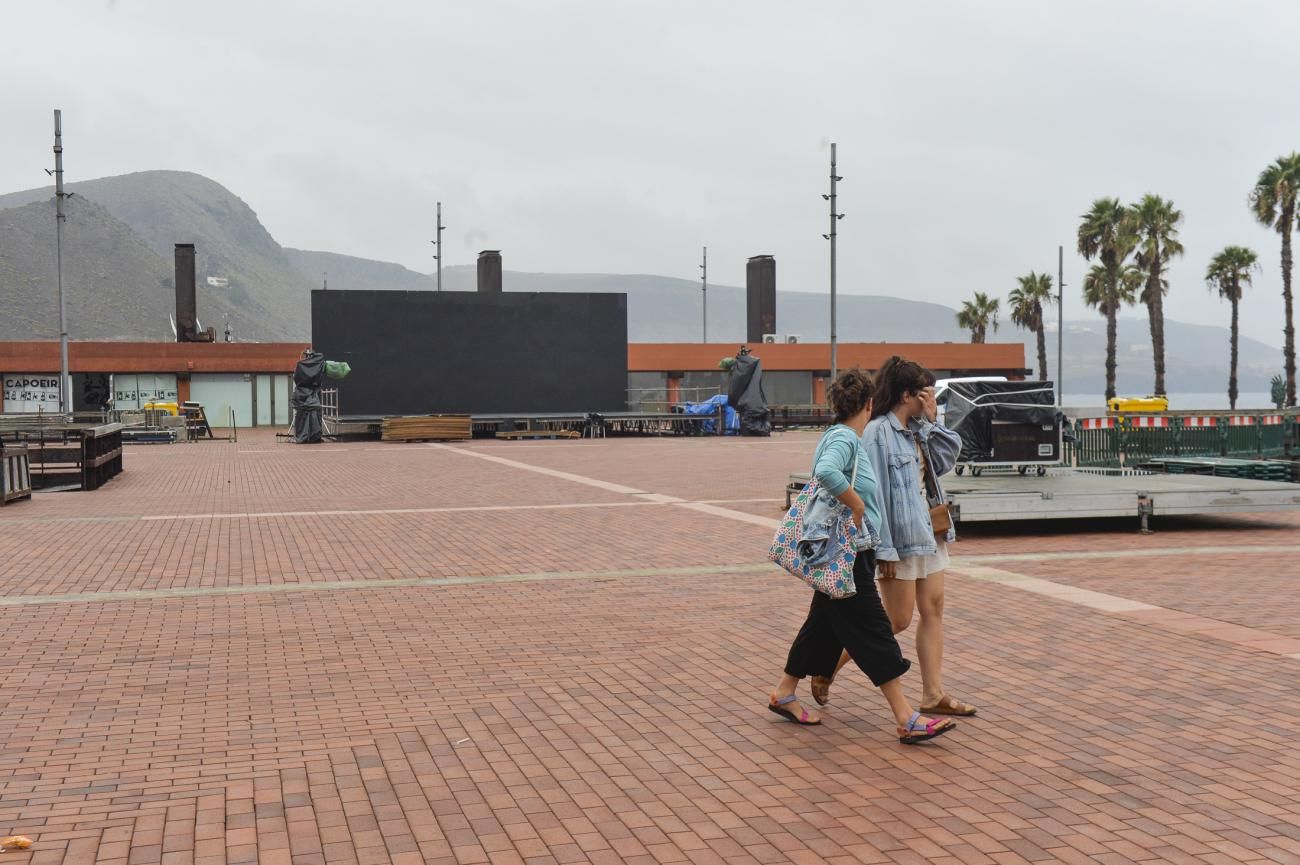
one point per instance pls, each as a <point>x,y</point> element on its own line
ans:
<point>1060,325</point>
<point>438,243</point>
<point>704,292</point>
<point>835,217</point>
<point>65,380</point>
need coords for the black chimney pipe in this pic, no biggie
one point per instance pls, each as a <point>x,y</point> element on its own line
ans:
<point>489,271</point>
<point>187,321</point>
<point>760,291</point>
<point>186,305</point>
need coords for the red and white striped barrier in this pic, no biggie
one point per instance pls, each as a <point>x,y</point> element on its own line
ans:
<point>1271,420</point>
<point>1098,423</point>
<point>1241,420</point>
<point>1197,422</point>
<point>1149,422</point>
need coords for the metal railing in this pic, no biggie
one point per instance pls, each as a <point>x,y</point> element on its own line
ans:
<point>1127,440</point>
<point>657,399</point>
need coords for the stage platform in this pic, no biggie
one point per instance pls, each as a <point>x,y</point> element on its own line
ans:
<point>1064,493</point>
<point>586,424</point>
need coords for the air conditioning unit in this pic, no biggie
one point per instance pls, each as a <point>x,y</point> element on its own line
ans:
<point>791,338</point>
<point>769,339</point>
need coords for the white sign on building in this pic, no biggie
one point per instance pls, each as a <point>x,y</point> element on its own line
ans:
<point>218,282</point>
<point>31,393</point>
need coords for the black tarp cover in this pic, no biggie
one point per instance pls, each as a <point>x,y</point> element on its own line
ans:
<point>307,426</point>
<point>973,406</point>
<point>745,395</point>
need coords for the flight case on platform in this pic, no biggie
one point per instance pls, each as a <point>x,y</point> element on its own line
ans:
<point>1008,424</point>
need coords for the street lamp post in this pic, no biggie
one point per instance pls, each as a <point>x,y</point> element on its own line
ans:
<point>1060,325</point>
<point>835,217</point>
<point>438,243</point>
<point>65,380</point>
<point>704,293</point>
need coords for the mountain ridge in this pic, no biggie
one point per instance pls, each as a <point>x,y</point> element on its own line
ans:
<point>114,221</point>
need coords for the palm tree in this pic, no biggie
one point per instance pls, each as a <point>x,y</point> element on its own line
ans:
<point>1110,295</point>
<point>1274,201</point>
<point>1153,222</point>
<point>976,316</point>
<point>1027,302</point>
<point>1228,272</point>
<point>1106,234</point>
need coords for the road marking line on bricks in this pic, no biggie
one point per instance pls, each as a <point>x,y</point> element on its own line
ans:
<point>405,582</point>
<point>1164,618</point>
<point>728,513</point>
<point>555,473</point>
<point>1061,591</point>
<point>386,511</point>
<point>659,498</point>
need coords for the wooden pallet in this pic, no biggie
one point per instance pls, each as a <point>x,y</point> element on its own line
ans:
<point>540,434</point>
<point>438,427</point>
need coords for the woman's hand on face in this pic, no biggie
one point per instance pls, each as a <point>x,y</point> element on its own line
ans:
<point>929,406</point>
<point>887,570</point>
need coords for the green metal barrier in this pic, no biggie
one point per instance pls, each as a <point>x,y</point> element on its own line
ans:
<point>1272,439</point>
<point>1240,441</point>
<point>1140,443</point>
<point>1123,440</point>
<point>1193,438</point>
<point>1093,448</point>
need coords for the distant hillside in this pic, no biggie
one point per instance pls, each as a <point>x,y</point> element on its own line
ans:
<point>168,207</point>
<point>362,274</point>
<point>116,286</point>
<point>663,309</point>
<point>118,261</point>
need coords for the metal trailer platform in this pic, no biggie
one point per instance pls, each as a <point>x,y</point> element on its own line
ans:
<point>1081,493</point>
<point>1065,493</point>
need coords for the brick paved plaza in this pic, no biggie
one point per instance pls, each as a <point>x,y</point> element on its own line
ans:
<point>560,652</point>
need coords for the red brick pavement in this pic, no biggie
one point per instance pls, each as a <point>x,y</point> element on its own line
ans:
<point>616,717</point>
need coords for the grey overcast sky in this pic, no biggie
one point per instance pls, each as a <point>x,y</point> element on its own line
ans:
<point>620,136</point>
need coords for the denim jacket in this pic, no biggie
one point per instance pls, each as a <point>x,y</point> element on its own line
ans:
<point>906,530</point>
<point>819,536</point>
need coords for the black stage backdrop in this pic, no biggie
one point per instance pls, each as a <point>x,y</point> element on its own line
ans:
<point>419,352</point>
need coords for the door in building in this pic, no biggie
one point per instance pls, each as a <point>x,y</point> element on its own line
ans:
<point>222,393</point>
<point>272,404</point>
<point>265,410</point>
<point>283,389</point>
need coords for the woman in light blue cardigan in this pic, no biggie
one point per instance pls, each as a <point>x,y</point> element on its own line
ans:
<point>910,452</point>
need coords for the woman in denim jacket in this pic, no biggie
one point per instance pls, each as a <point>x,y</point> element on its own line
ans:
<point>857,624</point>
<point>910,452</point>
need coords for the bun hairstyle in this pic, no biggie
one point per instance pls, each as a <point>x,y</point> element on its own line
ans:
<point>849,393</point>
<point>897,379</point>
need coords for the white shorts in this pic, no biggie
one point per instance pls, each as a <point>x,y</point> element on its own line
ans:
<point>919,567</point>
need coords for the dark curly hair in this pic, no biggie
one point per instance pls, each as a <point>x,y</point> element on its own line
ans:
<point>896,380</point>
<point>849,393</point>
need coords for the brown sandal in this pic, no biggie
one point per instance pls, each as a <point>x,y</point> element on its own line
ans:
<point>821,689</point>
<point>946,705</point>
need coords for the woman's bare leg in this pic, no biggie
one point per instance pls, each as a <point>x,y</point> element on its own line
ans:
<point>929,637</point>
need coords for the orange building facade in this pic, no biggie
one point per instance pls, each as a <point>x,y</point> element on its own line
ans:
<point>797,374</point>
<point>252,380</point>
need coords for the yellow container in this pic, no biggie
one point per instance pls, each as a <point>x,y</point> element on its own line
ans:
<point>170,407</point>
<point>1134,405</point>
